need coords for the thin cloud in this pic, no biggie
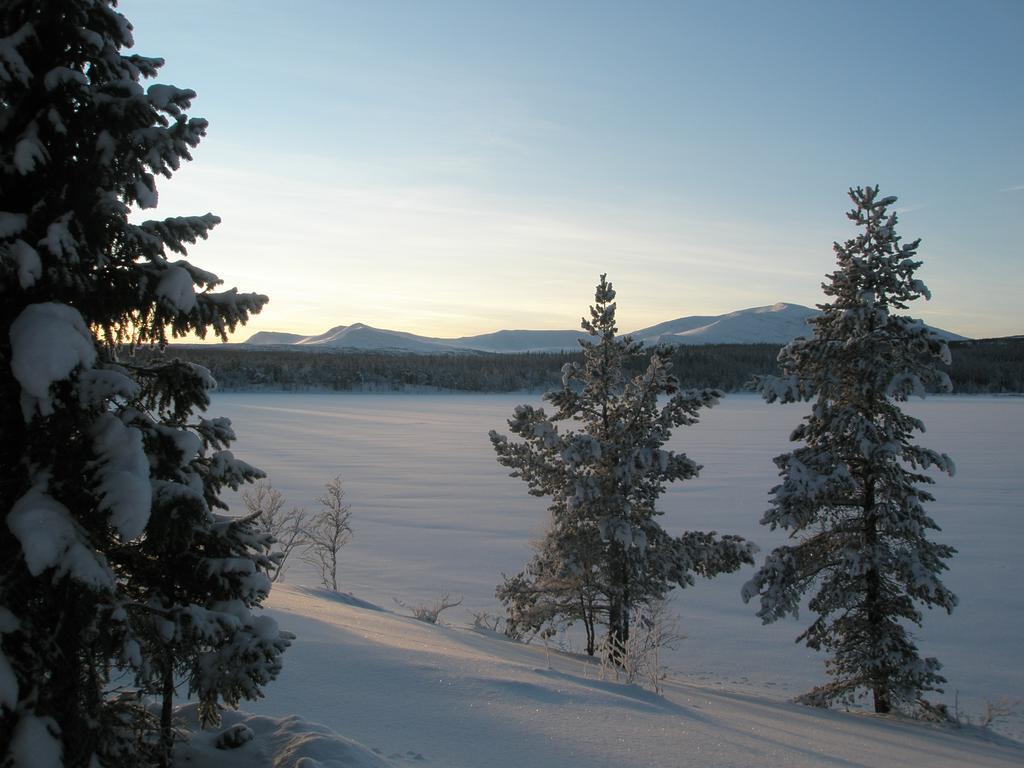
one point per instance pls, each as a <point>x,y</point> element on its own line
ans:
<point>1015,188</point>
<point>913,207</point>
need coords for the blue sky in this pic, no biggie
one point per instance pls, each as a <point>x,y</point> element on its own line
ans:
<point>455,168</point>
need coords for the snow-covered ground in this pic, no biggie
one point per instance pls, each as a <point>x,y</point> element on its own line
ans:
<point>406,693</point>
<point>433,512</point>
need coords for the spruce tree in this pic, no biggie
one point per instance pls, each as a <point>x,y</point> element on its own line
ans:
<point>601,460</point>
<point>102,456</point>
<point>196,575</point>
<point>852,495</point>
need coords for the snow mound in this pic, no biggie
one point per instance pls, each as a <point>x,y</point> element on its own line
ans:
<point>271,743</point>
<point>345,598</point>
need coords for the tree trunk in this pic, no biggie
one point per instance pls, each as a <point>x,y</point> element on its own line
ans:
<point>166,712</point>
<point>616,642</point>
<point>74,681</point>
<point>873,599</point>
<point>587,611</point>
<point>618,610</point>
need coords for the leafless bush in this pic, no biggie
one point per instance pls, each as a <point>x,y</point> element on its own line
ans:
<point>639,659</point>
<point>327,533</point>
<point>287,526</point>
<point>997,710</point>
<point>499,624</point>
<point>488,621</point>
<point>994,711</point>
<point>430,613</point>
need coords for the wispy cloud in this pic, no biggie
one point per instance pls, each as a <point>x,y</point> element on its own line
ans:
<point>912,207</point>
<point>1014,188</point>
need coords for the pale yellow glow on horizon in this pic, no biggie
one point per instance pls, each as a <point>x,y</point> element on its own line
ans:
<point>444,262</point>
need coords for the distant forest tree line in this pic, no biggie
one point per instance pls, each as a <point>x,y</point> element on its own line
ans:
<point>989,366</point>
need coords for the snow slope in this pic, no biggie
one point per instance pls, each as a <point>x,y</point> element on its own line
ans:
<point>777,324</point>
<point>409,693</point>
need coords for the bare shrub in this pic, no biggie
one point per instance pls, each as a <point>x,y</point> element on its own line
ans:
<point>653,627</point>
<point>994,711</point>
<point>997,710</point>
<point>430,614</point>
<point>487,621</point>
<point>499,624</point>
<point>287,526</point>
<point>327,533</point>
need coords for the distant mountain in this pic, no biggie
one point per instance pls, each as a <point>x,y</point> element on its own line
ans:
<point>520,341</point>
<point>273,338</point>
<point>777,324</point>
<point>360,336</point>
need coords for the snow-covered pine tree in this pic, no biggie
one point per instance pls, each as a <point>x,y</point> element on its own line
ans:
<point>96,452</point>
<point>852,494</point>
<point>600,458</point>
<point>196,575</point>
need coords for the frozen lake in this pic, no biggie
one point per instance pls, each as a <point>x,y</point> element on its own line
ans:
<point>432,511</point>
